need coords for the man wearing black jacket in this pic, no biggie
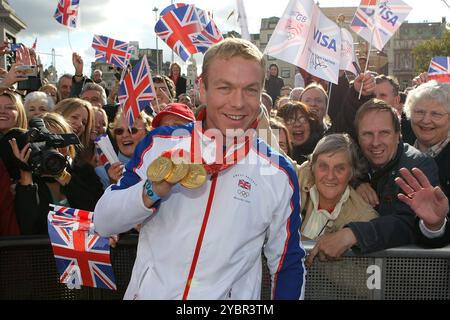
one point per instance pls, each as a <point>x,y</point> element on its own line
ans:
<point>378,130</point>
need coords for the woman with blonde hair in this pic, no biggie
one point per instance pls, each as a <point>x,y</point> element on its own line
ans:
<point>12,112</point>
<point>80,115</point>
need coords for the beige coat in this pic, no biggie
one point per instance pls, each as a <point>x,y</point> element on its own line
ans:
<point>354,209</point>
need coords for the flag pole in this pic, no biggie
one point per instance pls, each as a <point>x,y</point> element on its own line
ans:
<point>370,46</point>
<point>329,95</point>
<point>68,38</point>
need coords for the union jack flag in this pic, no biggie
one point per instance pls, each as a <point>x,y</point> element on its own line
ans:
<point>179,27</point>
<point>82,257</point>
<point>171,7</point>
<point>136,90</point>
<point>110,51</point>
<point>67,12</point>
<point>209,35</point>
<point>439,69</point>
<point>244,184</point>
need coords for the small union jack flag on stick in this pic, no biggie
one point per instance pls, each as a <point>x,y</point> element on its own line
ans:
<point>67,12</point>
<point>110,50</point>
<point>82,257</point>
<point>439,69</point>
<point>136,90</point>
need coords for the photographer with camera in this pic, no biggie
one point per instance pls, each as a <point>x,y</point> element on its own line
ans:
<point>44,156</point>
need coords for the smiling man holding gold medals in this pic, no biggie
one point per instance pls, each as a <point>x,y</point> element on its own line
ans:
<point>210,195</point>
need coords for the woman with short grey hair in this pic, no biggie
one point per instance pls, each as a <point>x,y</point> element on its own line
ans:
<point>428,108</point>
<point>37,103</point>
<point>328,201</point>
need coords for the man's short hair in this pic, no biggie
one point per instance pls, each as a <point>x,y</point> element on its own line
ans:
<point>66,75</point>
<point>378,106</point>
<point>96,87</point>
<point>392,80</point>
<point>230,48</point>
<point>169,84</point>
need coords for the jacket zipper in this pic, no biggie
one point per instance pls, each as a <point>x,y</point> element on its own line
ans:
<point>200,236</point>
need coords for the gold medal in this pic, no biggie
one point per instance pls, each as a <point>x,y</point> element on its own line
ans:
<point>195,178</point>
<point>179,170</point>
<point>159,169</point>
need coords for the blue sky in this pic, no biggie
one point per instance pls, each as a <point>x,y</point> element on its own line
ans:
<point>134,20</point>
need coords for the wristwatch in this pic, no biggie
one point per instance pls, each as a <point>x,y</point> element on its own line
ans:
<point>148,186</point>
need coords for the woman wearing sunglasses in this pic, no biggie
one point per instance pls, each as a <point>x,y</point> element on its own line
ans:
<point>127,140</point>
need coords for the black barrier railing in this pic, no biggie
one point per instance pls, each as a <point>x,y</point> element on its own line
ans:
<point>27,271</point>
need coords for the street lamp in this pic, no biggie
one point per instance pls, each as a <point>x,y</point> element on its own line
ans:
<point>155,10</point>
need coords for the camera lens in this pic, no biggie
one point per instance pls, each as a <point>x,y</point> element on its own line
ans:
<point>53,162</point>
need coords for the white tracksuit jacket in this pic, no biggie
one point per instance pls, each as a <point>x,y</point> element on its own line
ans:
<point>254,200</point>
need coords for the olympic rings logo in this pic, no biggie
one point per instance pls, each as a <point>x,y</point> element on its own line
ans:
<point>243,193</point>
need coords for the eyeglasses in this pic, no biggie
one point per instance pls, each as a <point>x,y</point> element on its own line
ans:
<point>434,115</point>
<point>120,131</point>
<point>292,121</point>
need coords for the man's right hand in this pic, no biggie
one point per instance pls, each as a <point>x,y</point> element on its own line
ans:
<point>421,78</point>
<point>366,191</point>
<point>367,82</point>
<point>77,63</point>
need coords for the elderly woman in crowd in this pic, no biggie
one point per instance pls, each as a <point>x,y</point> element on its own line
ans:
<point>428,107</point>
<point>328,201</point>
<point>37,103</point>
<point>12,112</point>
<point>304,128</point>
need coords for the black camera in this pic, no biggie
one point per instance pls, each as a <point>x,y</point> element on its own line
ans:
<point>44,157</point>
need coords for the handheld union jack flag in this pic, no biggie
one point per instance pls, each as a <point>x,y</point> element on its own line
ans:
<point>67,12</point>
<point>210,33</point>
<point>136,90</point>
<point>178,28</point>
<point>171,7</point>
<point>439,69</point>
<point>82,257</point>
<point>110,51</point>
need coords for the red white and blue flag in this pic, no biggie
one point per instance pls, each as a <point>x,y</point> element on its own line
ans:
<point>209,35</point>
<point>244,184</point>
<point>187,29</point>
<point>82,257</point>
<point>136,90</point>
<point>376,21</point>
<point>171,7</point>
<point>178,28</point>
<point>439,69</point>
<point>110,50</point>
<point>67,12</point>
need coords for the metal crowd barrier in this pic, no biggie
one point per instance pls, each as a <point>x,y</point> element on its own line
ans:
<point>27,271</point>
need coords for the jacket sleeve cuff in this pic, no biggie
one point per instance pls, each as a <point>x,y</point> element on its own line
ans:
<point>430,234</point>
